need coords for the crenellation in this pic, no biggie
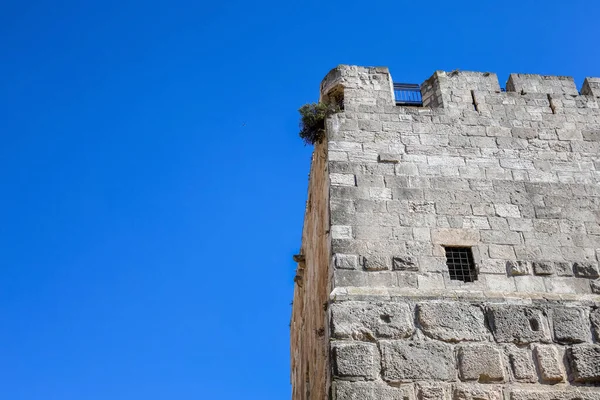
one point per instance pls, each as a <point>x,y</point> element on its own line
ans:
<point>514,177</point>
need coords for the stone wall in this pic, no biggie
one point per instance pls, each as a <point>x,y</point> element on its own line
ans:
<point>309,334</point>
<point>512,175</point>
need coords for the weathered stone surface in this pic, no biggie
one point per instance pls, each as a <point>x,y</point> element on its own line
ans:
<point>549,363</point>
<point>595,320</point>
<point>405,361</point>
<point>543,268</point>
<point>344,390</point>
<point>585,363</point>
<point>586,270</point>
<point>404,263</point>
<point>376,263</point>
<point>570,325</point>
<point>568,393</point>
<point>366,321</point>
<point>346,261</point>
<point>355,359</point>
<point>480,362</point>
<point>477,392</point>
<point>432,391</point>
<point>521,364</point>
<point>452,321</point>
<point>516,268</point>
<point>518,324</point>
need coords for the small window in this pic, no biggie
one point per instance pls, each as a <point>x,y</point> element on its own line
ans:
<point>460,264</point>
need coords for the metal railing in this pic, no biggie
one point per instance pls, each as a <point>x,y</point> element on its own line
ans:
<point>407,94</point>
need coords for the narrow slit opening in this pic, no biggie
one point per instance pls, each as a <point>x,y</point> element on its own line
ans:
<point>552,107</point>
<point>474,101</point>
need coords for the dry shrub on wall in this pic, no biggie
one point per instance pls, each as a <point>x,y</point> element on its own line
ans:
<point>312,121</point>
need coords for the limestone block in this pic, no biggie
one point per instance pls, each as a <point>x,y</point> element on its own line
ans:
<point>346,261</point>
<point>518,324</point>
<point>549,363</point>
<point>376,263</point>
<point>452,321</point>
<point>432,391</point>
<point>586,270</point>
<point>405,361</point>
<point>521,364</point>
<point>569,393</point>
<point>355,359</point>
<point>543,268</point>
<point>563,268</point>
<point>570,325</point>
<point>585,363</point>
<point>477,392</point>
<point>344,390</point>
<point>595,319</point>
<point>516,268</point>
<point>404,263</point>
<point>342,179</point>
<point>365,320</point>
<point>480,362</point>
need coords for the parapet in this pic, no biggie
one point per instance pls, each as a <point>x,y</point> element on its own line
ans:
<point>547,84</point>
<point>360,87</point>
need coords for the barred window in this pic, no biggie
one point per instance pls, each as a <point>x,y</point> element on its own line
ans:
<point>460,264</point>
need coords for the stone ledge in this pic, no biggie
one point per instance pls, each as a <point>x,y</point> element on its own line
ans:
<point>387,294</point>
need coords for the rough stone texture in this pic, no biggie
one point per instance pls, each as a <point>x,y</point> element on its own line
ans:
<point>521,364</point>
<point>433,391</point>
<point>585,362</point>
<point>549,363</point>
<point>515,176</point>
<point>371,391</point>
<point>570,325</point>
<point>452,321</point>
<point>481,363</point>
<point>366,321</point>
<point>476,392</point>
<point>557,394</point>
<point>518,324</point>
<point>406,361</point>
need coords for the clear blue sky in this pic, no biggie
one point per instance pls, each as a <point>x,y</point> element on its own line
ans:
<point>153,183</point>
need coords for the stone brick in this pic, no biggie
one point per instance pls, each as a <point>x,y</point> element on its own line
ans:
<point>344,390</point>
<point>516,268</point>
<point>558,394</point>
<point>376,263</point>
<point>585,363</point>
<point>477,392</point>
<point>366,320</point>
<point>586,270</point>
<point>432,391</point>
<point>346,261</point>
<point>518,324</point>
<point>406,361</point>
<point>342,179</point>
<point>595,320</point>
<point>481,362</point>
<point>452,321</point>
<point>543,268</point>
<point>521,364</point>
<point>549,363</point>
<point>570,325</point>
<point>355,359</point>
<point>404,263</point>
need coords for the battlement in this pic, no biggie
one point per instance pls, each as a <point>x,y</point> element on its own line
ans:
<point>373,86</point>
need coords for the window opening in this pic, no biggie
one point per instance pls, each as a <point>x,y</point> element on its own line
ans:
<point>474,101</point>
<point>460,264</point>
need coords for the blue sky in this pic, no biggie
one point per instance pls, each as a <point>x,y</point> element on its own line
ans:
<point>153,183</point>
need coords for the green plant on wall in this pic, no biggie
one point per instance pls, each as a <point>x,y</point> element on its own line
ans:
<point>312,121</point>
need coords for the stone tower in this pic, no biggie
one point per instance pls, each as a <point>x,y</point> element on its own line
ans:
<point>450,248</point>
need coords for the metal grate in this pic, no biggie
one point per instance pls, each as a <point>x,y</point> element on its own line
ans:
<point>460,264</point>
<point>407,94</point>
